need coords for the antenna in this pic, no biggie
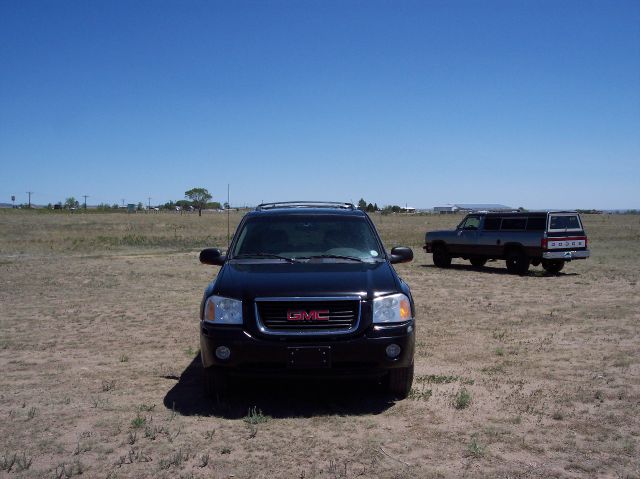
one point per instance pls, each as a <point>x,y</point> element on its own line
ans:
<point>29,193</point>
<point>85,200</point>
<point>228,208</point>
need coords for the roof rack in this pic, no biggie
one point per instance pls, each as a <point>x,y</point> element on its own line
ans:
<point>305,204</point>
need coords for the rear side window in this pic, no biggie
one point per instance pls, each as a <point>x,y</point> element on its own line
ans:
<point>536,223</point>
<point>491,223</point>
<point>564,222</point>
<point>514,223</point>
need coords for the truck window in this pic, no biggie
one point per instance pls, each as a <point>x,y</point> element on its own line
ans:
<point>536,223</point>
<point>492,223</point>
<point>514,223</point>
<point>471,223</point>
<point>564,222</point>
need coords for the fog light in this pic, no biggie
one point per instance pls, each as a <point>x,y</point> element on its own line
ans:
<point>393,351</point>
<point>223,352</point>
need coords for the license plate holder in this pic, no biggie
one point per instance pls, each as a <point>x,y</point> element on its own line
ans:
<point>309,357</point>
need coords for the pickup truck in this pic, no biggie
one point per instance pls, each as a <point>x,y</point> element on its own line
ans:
<point>550,238</point>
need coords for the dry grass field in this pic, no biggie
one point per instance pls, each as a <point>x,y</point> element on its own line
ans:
<point>535,376</point>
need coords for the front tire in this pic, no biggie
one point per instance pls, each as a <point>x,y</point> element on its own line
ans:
<point>517,262</point>
<point>399,382</point>
<point>216,384</point>
<point>552,266</point>
<point>441,257</point>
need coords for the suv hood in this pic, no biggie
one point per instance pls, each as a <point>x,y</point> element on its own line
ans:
<point>248,281</point>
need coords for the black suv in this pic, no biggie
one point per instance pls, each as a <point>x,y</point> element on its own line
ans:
<point>307,288</point>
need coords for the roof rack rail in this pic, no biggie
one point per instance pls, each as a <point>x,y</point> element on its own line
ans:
<point>305,204</point>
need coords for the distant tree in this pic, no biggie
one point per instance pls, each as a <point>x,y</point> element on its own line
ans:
<point>71,202</point>
<point>370,208</point>
<point>49,206</point>
<point>140,207</point>
<point>226,205</point>
<point>114,206</point>
<point>213,205</point>
<point>362,204</point>
<point>375,207</point>
<point>198,197</point>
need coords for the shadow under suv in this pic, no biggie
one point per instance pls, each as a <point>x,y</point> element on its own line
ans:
<point>307,288</point>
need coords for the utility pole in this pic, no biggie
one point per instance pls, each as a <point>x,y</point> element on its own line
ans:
<point>85,200</point>
<point>149,206</point>
<point>228,208</point>
<point>122,199</point>
<point>29,193</point>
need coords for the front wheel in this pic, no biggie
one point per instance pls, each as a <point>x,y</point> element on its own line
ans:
<point>399,382</point>
<point>517,262</point>
<point>441,257</point>
<point>216,384</point>
<point>552,266</point>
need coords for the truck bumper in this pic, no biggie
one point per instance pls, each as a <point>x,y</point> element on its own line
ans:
<point>363,355</point>
<point>566,255</point>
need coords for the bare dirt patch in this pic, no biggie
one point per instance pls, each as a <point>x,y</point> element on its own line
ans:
<point>535,376</point>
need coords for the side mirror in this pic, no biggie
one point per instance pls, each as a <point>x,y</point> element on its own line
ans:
<point>212,256</point>
<point>401,254</point>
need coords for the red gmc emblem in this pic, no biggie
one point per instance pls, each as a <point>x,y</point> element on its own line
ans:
<point>302,315</point>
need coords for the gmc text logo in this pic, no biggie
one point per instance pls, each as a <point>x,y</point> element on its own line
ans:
<point>302,315</point>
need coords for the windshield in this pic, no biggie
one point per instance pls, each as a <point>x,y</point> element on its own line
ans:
<point>308,237</point>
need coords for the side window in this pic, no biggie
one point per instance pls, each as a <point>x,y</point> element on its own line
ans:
<point>492,223</point>
<point>514,224</point>
<point>471,223</point>
<point>536,223</point>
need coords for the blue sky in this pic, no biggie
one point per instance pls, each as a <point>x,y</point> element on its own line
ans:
<point>526,103</point>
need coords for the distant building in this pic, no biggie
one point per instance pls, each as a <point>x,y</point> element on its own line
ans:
<point>467,207</point>
<point>445,210</point>
<point>407,209</point>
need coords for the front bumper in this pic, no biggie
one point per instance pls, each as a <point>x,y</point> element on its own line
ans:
<point>362,355</point>
<point>566,255</point>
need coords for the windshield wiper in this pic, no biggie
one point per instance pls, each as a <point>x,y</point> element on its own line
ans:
<point>264,255</point>
<point>333,256</point>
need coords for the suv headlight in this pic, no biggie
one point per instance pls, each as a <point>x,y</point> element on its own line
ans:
<point>222,310</point>
<point>394,308</point>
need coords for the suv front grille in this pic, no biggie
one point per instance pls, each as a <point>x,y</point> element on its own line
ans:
<point>308,315</point>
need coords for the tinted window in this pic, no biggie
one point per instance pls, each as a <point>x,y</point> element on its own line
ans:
<point>564,223</point>
<point>301,236</point>
<point>491,223</point>
<point>536,223</point>
<point>514,223</point>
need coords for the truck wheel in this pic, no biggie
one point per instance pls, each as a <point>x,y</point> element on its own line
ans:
<point>552,266</point>
<point>517,262</point>
<point>400,381</point>
<point>216,384</point>
<point>441,257</point>
<point>478,262</point>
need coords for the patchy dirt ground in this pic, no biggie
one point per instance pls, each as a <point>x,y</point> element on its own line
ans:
<point>535,376</point>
